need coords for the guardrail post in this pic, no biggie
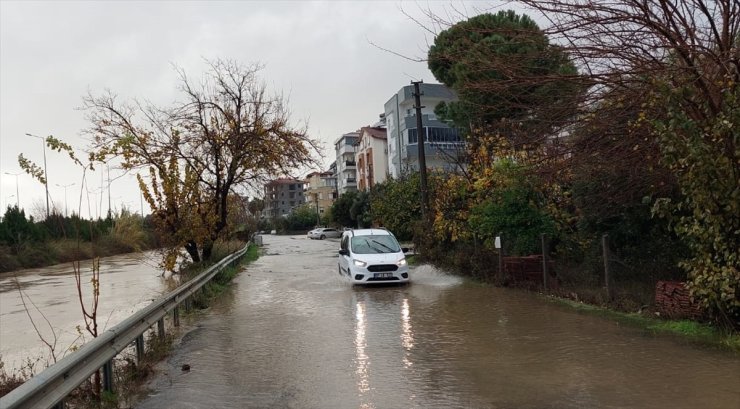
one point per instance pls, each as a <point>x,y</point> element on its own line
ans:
<point>140,348</point>
<point>160,329</point>
<point>176,316</point>
<point>108,376</point>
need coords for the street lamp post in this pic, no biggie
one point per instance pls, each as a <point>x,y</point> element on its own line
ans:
<point>46,174</point>
<point>17,194</point>
<point>65,196</point>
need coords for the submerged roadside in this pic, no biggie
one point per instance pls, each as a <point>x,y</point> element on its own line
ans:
<point>138,377</point>
<point>691,331</point>
<point>694,332</point>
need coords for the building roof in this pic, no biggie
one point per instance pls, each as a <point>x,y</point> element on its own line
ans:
<point>283,181</point>
<point>354,134</point>
<point>326,173</point>
<point>379,133</point>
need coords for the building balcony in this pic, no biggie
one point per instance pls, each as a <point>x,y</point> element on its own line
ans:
<point>350,163</point>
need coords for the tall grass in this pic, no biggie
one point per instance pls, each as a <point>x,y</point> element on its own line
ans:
<point>128,232</point>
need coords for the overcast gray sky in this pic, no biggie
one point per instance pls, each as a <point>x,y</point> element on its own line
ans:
<point>318,53</point>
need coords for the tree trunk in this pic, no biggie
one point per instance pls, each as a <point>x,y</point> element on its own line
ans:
<point>192,248</point>
<point>207,250</point>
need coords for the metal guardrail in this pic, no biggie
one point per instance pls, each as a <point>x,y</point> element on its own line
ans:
<point>52,385</point>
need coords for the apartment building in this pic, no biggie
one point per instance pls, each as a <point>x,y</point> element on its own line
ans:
<point>442,143</point>
<point>346,167</point>
<point>281,196</point>
<point>371,157</point>
<point>320,190</point>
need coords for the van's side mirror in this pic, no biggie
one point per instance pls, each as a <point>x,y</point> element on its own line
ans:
<point>344,252</point>
<point>405,249</point>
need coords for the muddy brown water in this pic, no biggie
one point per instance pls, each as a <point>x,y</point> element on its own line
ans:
<point>291,333</point>
<point>127,283</point>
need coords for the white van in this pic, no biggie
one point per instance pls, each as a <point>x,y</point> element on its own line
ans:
<point>372,256</point>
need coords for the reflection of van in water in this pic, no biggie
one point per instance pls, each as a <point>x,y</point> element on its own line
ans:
<point>372,256</point>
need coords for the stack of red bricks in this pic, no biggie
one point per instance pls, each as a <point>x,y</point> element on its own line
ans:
<point>672,300</point>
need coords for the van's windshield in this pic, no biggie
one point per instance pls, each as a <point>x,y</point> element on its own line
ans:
<point>374,244</point>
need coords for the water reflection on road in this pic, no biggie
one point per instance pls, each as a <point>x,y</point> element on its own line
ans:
<point>294,334</point>
<point>127,283</point>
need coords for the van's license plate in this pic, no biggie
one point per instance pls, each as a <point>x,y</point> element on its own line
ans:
<point>383,275</point>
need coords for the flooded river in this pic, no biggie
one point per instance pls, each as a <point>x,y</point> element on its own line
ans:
<point>127,283</point>
<point>292,333</point>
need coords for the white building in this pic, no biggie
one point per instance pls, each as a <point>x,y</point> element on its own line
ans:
<point>442,143</point>
<point>346,170</point>
<point>371,157</point>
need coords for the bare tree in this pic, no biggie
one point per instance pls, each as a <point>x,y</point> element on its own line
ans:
<point>226,135</point>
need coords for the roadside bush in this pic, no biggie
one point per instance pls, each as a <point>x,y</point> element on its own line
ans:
<point>8,261</point>
<point>66,250</point>
<point>301,218</point>
<point>35,256</point>
<point>10,380</point>
<point>128,232</point>
<point>395,205</point>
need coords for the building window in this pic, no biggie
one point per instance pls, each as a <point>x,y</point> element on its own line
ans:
<point>443,135</point>
<point>412,136</point>
<point>435,135</point>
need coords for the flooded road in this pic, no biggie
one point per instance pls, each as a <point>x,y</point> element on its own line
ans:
<point>127,283</point>
<point>294,334</point>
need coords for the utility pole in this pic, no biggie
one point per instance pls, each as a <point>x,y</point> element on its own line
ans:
<point>65,196</point>
<point>110,215</point>
<point>422,157</point>
<point>17,192</point>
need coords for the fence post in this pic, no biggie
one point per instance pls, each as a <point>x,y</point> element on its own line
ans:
<point>108,376</point>
<point>140,349</point>
<point>607,278</point>
<point>501,256</point>
<point>160,329</point>
<point>176,316</point>
<point>543,238</point>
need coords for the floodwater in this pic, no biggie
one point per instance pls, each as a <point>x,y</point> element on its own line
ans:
<point>127,283</point>
<point>292,333</point>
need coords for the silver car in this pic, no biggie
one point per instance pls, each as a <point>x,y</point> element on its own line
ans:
<point>323,233</point>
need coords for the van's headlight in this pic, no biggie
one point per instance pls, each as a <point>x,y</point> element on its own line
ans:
<point>359,263</point>
<point>401,262</point>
